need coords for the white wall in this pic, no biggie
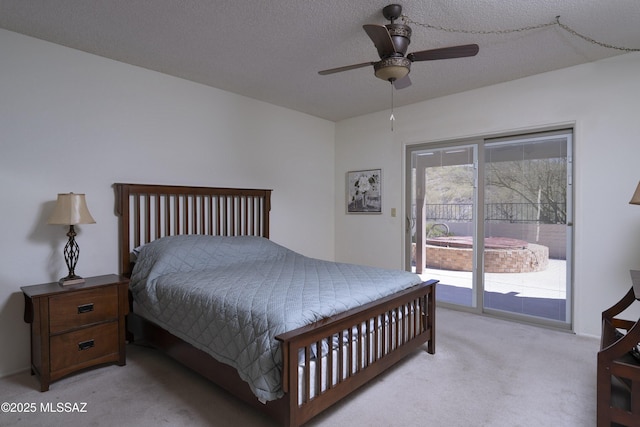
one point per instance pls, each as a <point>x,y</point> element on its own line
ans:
<point>70,121</point>
<point>600,98</point>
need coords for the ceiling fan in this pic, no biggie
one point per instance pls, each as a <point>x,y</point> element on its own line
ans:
<point>392,41</point>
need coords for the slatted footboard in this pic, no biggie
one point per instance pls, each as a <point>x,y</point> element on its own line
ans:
<point>326,362</point>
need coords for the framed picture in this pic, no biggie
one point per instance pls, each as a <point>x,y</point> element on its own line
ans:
<point>364,191</point>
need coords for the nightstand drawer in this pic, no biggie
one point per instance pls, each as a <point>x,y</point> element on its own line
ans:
<point>71,311</point>
<point>78,347</point>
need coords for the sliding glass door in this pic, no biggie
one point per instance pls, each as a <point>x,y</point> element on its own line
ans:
<point>443,213</point>
<point>527,228</point>
<point>491,219</point>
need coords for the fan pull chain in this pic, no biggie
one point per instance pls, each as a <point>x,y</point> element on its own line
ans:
<point>392,118</point>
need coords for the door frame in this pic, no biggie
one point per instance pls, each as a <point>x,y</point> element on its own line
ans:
<point>478,274</point>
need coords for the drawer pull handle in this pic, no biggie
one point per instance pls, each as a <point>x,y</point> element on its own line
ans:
<point>84,345</point>
<point>85,308</point>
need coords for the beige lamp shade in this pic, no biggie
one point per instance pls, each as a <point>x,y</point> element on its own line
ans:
<point>635,200</point>
<point>71,209</point>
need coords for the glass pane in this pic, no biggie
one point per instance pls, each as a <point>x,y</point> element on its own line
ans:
<point>443,230</point>
<point>525,230</point>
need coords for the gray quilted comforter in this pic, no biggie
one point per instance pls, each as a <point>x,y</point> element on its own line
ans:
<point>230,296</point>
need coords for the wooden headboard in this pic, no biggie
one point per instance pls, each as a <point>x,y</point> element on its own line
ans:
<point>148,212</point>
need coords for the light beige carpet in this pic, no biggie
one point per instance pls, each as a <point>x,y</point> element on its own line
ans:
<point>485,372</point>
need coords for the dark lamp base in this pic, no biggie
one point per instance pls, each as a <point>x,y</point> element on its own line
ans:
<point>70,280</point>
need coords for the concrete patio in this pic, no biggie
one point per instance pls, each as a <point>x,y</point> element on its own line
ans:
<point>542,293</point>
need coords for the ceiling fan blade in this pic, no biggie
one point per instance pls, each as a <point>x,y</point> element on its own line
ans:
<point>402,83</point>
<point>345,68</point>
<point>381,38</point>
<point>444,53</point>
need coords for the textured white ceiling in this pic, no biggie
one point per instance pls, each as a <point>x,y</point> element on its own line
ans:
<point>272,50</point>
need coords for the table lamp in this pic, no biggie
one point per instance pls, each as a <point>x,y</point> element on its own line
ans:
<point>635,200</point>
<point>71,209</point>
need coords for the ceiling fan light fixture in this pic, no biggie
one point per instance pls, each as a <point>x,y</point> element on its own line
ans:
<point>392,41</point>
<point>392,68</point>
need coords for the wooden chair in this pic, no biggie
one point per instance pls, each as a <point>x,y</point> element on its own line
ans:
<point>618,390</point>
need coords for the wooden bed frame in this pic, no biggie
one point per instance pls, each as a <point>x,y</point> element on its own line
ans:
<point>148,212</point>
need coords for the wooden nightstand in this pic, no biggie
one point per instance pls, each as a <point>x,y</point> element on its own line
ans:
<point>75,327</point>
